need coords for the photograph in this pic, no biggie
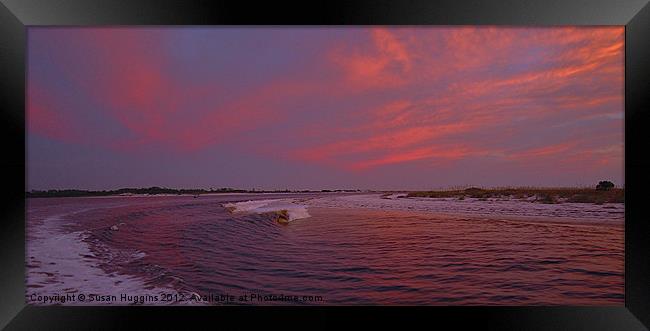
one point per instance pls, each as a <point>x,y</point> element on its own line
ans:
<point>374,165</point>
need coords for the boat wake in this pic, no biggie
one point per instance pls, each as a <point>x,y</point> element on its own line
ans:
<point>61,263</point>
<point>284,209</point>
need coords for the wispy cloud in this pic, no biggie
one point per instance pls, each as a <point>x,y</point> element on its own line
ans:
<point>358,101</point>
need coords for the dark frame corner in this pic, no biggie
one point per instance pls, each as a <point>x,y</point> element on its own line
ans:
<point>17,15</point>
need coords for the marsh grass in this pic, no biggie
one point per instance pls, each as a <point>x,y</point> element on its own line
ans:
<point>541,195</point>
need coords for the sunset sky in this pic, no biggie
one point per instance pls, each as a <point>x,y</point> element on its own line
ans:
<point>324,108</point>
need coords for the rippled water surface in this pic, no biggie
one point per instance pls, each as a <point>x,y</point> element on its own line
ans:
<point>345,253</point>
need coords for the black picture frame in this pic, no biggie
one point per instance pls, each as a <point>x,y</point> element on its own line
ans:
<point>17,15</point>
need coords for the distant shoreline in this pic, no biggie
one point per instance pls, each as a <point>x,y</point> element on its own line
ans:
<point>530,194</point>
<point>160,191</point>
<point>540,195</point>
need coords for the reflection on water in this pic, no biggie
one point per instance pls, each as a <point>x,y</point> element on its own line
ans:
<point>342,255</point>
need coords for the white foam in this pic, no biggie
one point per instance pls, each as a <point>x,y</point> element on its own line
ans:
<point>294,210</point>
<point>60,263</point>
<point>250,205</point>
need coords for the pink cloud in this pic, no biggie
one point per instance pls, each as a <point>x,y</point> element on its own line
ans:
<point>45,116</point>
<point>384,62</point>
